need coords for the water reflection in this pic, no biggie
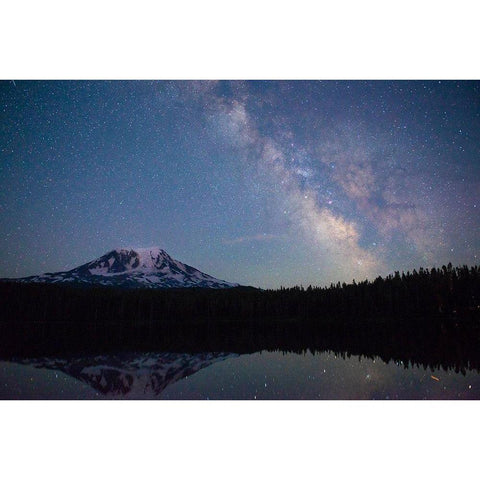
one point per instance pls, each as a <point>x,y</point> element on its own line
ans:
<point>323,376</point>
<point>126,375</point>
<point>260,375</point>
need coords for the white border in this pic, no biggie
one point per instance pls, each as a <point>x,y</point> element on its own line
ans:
<point>252,39</point>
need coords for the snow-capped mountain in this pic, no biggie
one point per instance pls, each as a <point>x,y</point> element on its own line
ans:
<point>130,376</point>
<point>134,268</point>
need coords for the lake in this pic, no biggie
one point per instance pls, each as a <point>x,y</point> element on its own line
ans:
<point>272,375</point>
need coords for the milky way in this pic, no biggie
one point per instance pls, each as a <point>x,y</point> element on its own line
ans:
<point>262,183</point>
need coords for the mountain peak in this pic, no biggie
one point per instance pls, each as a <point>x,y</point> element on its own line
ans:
<point>127,259</point>
<point>151,251</point>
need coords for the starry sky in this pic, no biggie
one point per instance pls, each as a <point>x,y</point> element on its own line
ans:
<point>265,183</point>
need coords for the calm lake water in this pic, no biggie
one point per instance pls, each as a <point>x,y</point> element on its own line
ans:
<point>256,376</point>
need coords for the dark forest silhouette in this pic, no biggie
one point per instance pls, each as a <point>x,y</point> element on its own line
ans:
<point>430,317</point>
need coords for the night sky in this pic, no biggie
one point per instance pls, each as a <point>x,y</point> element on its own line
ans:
<point>263,183</point>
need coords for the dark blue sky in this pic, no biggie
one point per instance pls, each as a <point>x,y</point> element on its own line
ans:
<point>263,183</point>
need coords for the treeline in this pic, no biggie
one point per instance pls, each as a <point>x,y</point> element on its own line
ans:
<point>438,291</point>
<point>430,312</point>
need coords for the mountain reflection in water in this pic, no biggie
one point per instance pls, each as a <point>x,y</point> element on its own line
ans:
<point>129,375</point>
<point>259,375</point>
